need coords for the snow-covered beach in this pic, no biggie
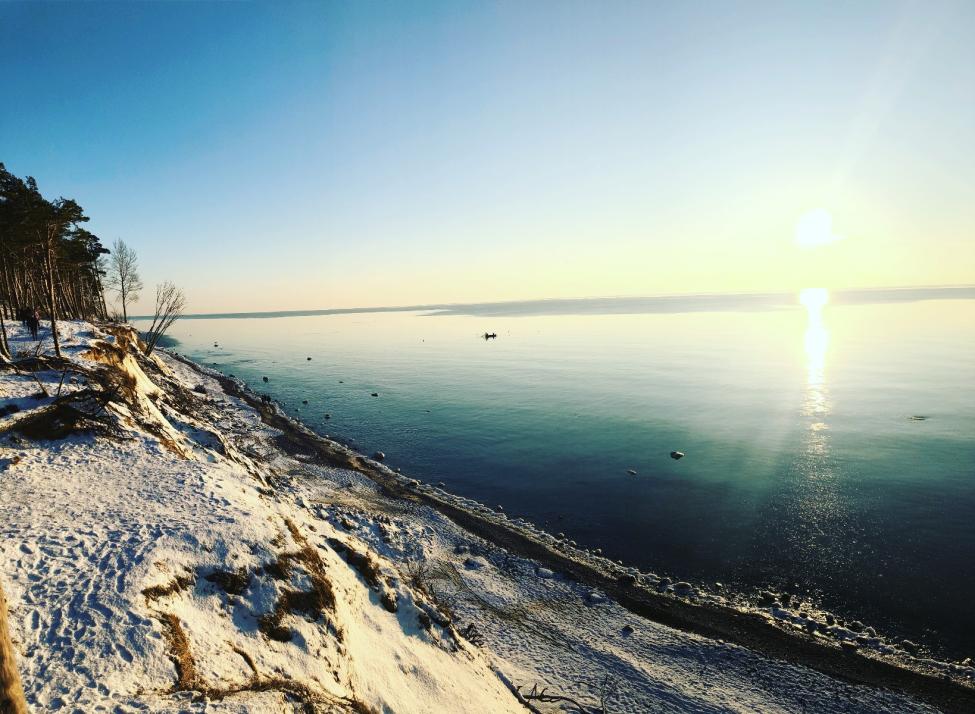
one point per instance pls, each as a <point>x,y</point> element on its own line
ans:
<point>174,543</point>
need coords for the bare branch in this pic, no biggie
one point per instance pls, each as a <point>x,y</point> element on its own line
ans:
<point>170,304</point>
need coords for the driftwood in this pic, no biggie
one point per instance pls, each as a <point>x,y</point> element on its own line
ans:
<point>11,692</point>
<point>536,695</point>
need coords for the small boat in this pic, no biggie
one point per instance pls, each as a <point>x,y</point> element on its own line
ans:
<point>490,335</point>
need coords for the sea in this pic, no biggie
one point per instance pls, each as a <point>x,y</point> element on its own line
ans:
<point>828,437</point>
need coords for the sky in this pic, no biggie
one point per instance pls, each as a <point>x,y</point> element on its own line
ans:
<point>320,155</point>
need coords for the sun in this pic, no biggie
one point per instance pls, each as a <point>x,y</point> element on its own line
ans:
<point>814,299</point>
<point>814,229</point>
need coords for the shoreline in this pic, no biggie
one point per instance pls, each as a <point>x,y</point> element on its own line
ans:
<point>175,542</point>
<point>773,631</point>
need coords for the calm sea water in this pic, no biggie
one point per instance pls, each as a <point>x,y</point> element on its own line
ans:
<point>828,451</point>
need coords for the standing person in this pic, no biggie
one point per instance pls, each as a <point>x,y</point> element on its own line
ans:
<point>34,323</point>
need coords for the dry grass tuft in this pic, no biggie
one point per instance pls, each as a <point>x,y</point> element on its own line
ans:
<point>270,625</point>
<point>233,582</point>
<point>247,658</point>
<point>363,563</point>
<point>179,652</point>
<point>188,680</point>
<point>368,567</point>
<point>177,584</point>
<point>316,602</point>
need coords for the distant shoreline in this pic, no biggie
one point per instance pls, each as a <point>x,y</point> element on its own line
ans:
<point>702,302</point>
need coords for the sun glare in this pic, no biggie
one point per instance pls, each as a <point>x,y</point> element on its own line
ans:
<point>816,342</point>
<point>814,229</point>
<point>814,299</point>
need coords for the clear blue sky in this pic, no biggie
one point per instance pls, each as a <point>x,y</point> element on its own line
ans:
<point>311,155</point>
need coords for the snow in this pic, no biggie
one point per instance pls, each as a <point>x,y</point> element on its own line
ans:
<point>188,513</point>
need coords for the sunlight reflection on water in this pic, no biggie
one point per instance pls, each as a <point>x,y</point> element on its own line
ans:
<point>816,345</point>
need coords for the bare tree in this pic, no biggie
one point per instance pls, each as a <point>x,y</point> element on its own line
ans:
<point>123,275</point>
<point>170,303</point>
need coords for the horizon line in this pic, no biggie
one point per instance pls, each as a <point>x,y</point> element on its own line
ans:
<point>446,308</point>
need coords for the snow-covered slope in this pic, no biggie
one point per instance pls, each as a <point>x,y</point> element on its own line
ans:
<point>146,571</point>
<point>166,553</point>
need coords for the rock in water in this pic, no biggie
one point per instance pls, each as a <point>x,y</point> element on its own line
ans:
<point>308,358</point>
<point>676,455</point>
<point>265,379</point>
<point>379,456</point>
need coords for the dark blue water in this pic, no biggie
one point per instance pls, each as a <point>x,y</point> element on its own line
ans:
<point>829,450</point>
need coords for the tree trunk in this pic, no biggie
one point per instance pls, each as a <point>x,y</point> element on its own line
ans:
<point>12,297</point>
<point>100,289</point>
<point>49,258</point>
<point>4,345</point>
<point>11,691</point>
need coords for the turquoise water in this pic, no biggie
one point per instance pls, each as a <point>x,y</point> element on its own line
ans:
<point>829,451</point>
